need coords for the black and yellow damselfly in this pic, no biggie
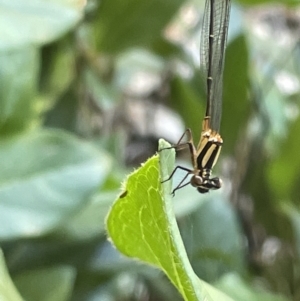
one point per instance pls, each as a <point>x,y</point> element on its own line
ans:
<point>212,54</point>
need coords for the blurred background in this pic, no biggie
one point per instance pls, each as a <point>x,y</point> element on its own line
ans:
<point>88,88</point>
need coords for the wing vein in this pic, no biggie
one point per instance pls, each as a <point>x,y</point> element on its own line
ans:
<point>212,55</point>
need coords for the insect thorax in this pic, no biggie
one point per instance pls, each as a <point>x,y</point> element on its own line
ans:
<point>205,173</point>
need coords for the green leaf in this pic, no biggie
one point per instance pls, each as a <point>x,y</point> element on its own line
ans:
<point>236,106</point>
<point>18,81</point>
<point>283,174</point>
<point>88,222</point>
<point>142,22</point>
<point>142,225</point>
<point>294,215</point>
<point>165,48</point>
<point>214,250</point>
<point>27,22</point>
<point>64,114</point>
<point>52,284</point>
<point>185,99</point>
<point>235,287</point>
<point>45,177</point>
<point>58,70</point>
<point>8,291</point>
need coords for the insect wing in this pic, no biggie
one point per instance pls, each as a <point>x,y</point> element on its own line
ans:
<point>212,54</point>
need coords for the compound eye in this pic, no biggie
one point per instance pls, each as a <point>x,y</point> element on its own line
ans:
<point>216,183</point>
<point>196,181</point>
<point>202,190</point>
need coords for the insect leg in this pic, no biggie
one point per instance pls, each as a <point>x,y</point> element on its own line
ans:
<point>180,186</point>
<point>180,145</point>
<point>175,169</point>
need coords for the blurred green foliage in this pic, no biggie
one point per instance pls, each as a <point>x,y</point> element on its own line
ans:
<point>75,115</point>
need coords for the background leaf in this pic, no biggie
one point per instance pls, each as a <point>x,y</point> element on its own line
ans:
<point>52,284</point>
<point>219,250</point>
<point>8,291</point>
<point>18,105</point>
<point>59,175</point>
<point>36,22</point>
<point>236,105</point>
<point>113,38</point>
<point>234,286</point>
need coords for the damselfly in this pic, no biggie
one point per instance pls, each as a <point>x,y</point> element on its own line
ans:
<point>212,52</point>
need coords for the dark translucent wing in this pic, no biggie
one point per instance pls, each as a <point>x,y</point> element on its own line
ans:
<point>212,54</point>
